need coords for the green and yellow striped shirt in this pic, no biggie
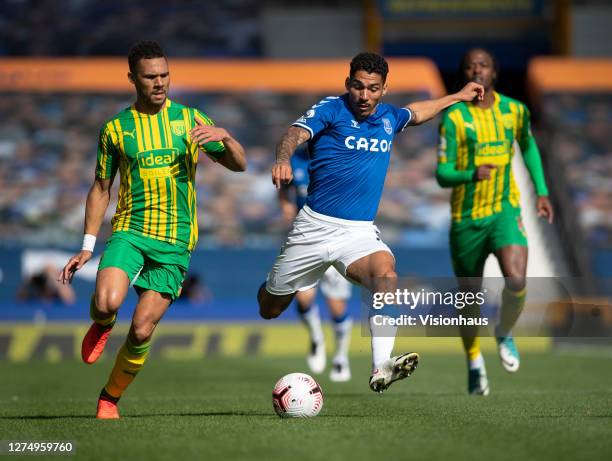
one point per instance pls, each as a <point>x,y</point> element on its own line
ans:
<point>471,136</point>
<point>157,163</point>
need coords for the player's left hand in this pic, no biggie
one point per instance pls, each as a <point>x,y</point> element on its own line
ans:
<point>471,91</point>
<point>282,173</point>
<point>544,208</point>
<point>73,265</point>
<point>203,133</point>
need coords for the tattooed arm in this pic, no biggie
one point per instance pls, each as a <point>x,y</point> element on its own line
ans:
<point>281,171</point>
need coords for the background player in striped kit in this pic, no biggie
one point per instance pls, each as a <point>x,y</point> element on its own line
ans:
<point>349,139</point>
<point>475,159</point>
<point>336,289</point>
<point>154,144</point>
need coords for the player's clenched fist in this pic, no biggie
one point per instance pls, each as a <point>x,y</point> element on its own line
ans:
<point>483,172</point>
<point>471,91</point>
<point>545,209</point>
<point>281,174</point>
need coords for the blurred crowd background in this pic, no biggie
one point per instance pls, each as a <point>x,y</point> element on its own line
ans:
<point>48,155</point>
<point>108,27</point>
<point>48,139</point>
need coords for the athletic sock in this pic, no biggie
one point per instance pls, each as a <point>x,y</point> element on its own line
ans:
<point>383,340</point>
<point>471,345</point>
<point>511,307</point>
<point>130,360</point>
<point>93,313</point>
<point>469,335</point>
<point>343,327</point>
<point>312,320</point>
<point>106,396</point>
<point>476,362</point>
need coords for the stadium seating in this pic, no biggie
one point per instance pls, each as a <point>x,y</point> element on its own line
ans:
<point>48,152</point>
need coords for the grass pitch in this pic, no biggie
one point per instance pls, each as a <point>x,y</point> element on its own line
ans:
<point>557,407</point>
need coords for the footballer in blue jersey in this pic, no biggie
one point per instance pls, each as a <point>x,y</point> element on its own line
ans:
<point>336,289</point>
<point>350,139</point>
<point>349,158</point>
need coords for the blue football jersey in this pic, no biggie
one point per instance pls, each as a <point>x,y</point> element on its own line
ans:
<point>349,159</point>
<point>299,165</point>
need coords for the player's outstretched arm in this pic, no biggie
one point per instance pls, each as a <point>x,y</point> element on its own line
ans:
<point>423,111</point>
<point>281,171</point>
<point>234,158</point>
<point>98,199</point>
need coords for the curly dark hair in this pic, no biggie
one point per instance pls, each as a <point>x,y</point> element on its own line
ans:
<point>371,63</point>
<point>144,49</point>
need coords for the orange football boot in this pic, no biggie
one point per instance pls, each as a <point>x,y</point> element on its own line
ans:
<point>107,409</point>
<point>94,342</point>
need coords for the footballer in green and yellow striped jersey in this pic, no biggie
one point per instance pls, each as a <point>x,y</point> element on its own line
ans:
<point>477,145</point>
<point>157,159</point>
<point>154,146</point>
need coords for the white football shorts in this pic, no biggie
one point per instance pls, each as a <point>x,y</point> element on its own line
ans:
<point>335,286</point>
<point>316,242</point>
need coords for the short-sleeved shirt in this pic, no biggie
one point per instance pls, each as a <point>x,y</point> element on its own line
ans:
<point>349,158</point>
<point>157,161</point>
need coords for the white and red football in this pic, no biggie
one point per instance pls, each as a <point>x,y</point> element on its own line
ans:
<point>297,395</point>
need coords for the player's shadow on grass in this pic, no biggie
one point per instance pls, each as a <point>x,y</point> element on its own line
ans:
<point>200,413</point>
<point>43,417</point>
<point>144,415</point>
<point>236,413</point>
<point>155,415</point>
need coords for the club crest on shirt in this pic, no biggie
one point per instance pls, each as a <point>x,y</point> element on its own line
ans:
<point>178,127</point>
<point>508,121</point>
<point>387,126</point>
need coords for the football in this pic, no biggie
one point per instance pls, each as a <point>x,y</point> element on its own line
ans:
<point>297,395</point>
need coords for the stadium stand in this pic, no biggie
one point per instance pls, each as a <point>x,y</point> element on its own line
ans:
<point>575,100</point>
<point>97,28</point>
<point>48,151</point>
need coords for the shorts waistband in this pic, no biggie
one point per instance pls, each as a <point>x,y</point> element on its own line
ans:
<point>335,221</point>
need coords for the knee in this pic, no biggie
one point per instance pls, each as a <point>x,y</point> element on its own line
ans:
<point>142,331</point>
<point>108,300</point>
<point>268,314</point>
<point>270,306</point>
<point>385,280</point>
<point>516,282</point>
<point>390,275</point>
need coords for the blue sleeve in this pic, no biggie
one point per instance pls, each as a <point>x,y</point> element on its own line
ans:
<point>403,116</point>
<point>318,117</point>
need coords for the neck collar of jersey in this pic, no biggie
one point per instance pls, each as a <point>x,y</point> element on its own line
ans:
<point>167,104</point>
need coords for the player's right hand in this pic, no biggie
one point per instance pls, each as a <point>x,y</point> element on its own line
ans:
<point>282,174</point>
<point>471,91</point>
<point>483,172</point>
<point>73,265</point>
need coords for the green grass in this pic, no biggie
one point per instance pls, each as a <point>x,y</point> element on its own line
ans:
<point>557,407</point>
